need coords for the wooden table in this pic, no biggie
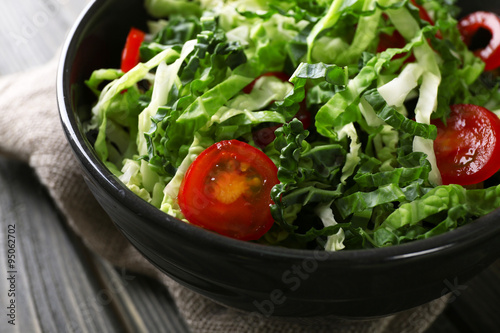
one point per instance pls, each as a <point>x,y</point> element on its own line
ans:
<point>60,286</point>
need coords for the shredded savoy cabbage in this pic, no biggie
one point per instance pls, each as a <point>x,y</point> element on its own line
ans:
<point>364,174</point>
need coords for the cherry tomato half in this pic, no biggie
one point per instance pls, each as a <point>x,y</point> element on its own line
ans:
<point>264,136</point>
<point>227,190</point>
<point>473,23</point>
<point>468,147</point>
<point>130,53</point>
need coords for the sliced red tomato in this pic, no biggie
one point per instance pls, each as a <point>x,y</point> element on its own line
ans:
<point>424,15</point>
<point>130,53</point>
<point>397,41</point>
<point>473,23</point>
<point>468,147</point>
<point>227,190</point>
<point>393,41</point>
<point>264,136</point>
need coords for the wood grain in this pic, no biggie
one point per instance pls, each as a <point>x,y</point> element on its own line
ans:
<point>59,285</point>
<point>32,31</point>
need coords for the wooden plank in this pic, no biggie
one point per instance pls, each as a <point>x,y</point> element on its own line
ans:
<point>478,305</point>
<point>32,31</point>
<point>443,324</point>
<point>141,302</point>
<point>59,285</point>
<point>474,306</point>
<point>53,288</point>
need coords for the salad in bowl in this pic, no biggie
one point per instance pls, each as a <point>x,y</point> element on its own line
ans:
<point>286,158</point>
<point>327,124</point>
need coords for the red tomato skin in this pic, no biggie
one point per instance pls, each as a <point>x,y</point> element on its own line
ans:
<point>467,148</point>
<point>264,136</point>
<point>424,15</point>
<point>130,53</point>
<point>469,26</point>
<point>246,218</point>
<point>280,75</point>
<point>397,41</point>
<point>394,41</point>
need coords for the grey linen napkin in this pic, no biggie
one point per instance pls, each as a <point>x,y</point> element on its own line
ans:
<point>30,130</point>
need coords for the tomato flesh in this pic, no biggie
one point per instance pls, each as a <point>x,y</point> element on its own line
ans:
<point>470,25</point>
<point>130,53</point>
<point>227,190</point>
<point>467,148</point>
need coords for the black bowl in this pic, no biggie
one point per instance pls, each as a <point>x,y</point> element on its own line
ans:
<point>262,279</point>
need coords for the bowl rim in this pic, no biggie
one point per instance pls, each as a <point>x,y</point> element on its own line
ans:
<point>465,236</point>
